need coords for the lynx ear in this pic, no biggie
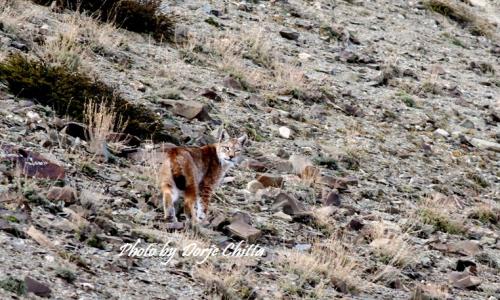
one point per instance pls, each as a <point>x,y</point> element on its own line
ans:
<point>242,139</point>
<point>221,134</point>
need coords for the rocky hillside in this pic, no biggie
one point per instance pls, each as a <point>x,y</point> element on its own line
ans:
<point>372,172</point>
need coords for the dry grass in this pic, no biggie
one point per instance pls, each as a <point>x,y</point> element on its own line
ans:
<point>390,246</point>
<point>329,262</point>
<point>102,120</point>
<point>486,213</point>
<point>436,211</point>
<point>463,15</point>
<point>430,291</point>
<point>288,78</point>
<point>228,279</point>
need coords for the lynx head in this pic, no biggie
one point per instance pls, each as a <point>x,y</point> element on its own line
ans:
<point>230,151</point>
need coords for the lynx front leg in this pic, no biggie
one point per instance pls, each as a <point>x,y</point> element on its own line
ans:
<point>206,195</point>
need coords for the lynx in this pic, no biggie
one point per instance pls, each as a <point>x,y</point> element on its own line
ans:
<point>194,173</point>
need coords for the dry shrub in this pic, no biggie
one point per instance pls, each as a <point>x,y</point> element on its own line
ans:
<point>390,246</point>
<point>436,211</point>
<point>329,262</point>
<point>463,15</point>
<point>102,120</point>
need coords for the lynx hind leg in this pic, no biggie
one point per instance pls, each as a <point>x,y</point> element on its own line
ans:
<point>200,210</point>
<point>169,198</point>
<point>190,203</point>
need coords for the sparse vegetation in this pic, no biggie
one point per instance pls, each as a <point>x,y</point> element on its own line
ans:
<point>462,15</point>
<point>390,247</point>
<point>441,222</point>
<point>329,262</point>
<point>14,285</point>
<point>141,17</point>
<point>67,92</point>
<point>486,214</point>
<point>66,274</point>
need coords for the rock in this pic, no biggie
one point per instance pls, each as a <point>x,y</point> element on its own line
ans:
<point>441,132</point>
<point>285,132</point>
<point>242,230</point>
<point>341,183</point>
<point>188,109</point>
<point>254,165</point>
<point>469,248</point>
<point>282,216</point>
<point>31,164</point>
<point>254,185</point>
<point>468,124</point>
<point>287,204</point>
<point>66,194</point>
<point>11,228</point>
<point>211,94</point>
<point>19,46</point>
<point>173,226</point>
<point>219,222</point>
<point>233,83</point>
<point>304,56</point>
<point>289,34</point>
<point>356,224</point>
<point>429,292</point>
<point>40,238</point>
<point>36,287</point>
<point>282,153</point>
<point>242,216</point>
<point>302,247</point>
<point>270,180</point>
<point>332,199</point>
<point>485,145</point>
<point>463,280</point>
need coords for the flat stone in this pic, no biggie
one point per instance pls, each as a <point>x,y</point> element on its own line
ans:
<point>288,205</point>
<point>254,185</point>
<point>66,194</point>
<point>463,280</point>
<point>188,109</point>
<point>340,183</point>
<point>290,35</point>
<point>485,145</point>
<point>254,165</point>
<point>282,216</point>
<point>36,287</point>
<point>285,132</point>
<point>269,180</point>
<point>242,230</point>
<point>331,198</point>
<point>31,164</point>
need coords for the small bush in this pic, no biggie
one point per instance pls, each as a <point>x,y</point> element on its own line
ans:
<point>13,285</point>
<point>441,222</point>
<point>129,14</point>
<point>66,274</point>
<point>67,92</point>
